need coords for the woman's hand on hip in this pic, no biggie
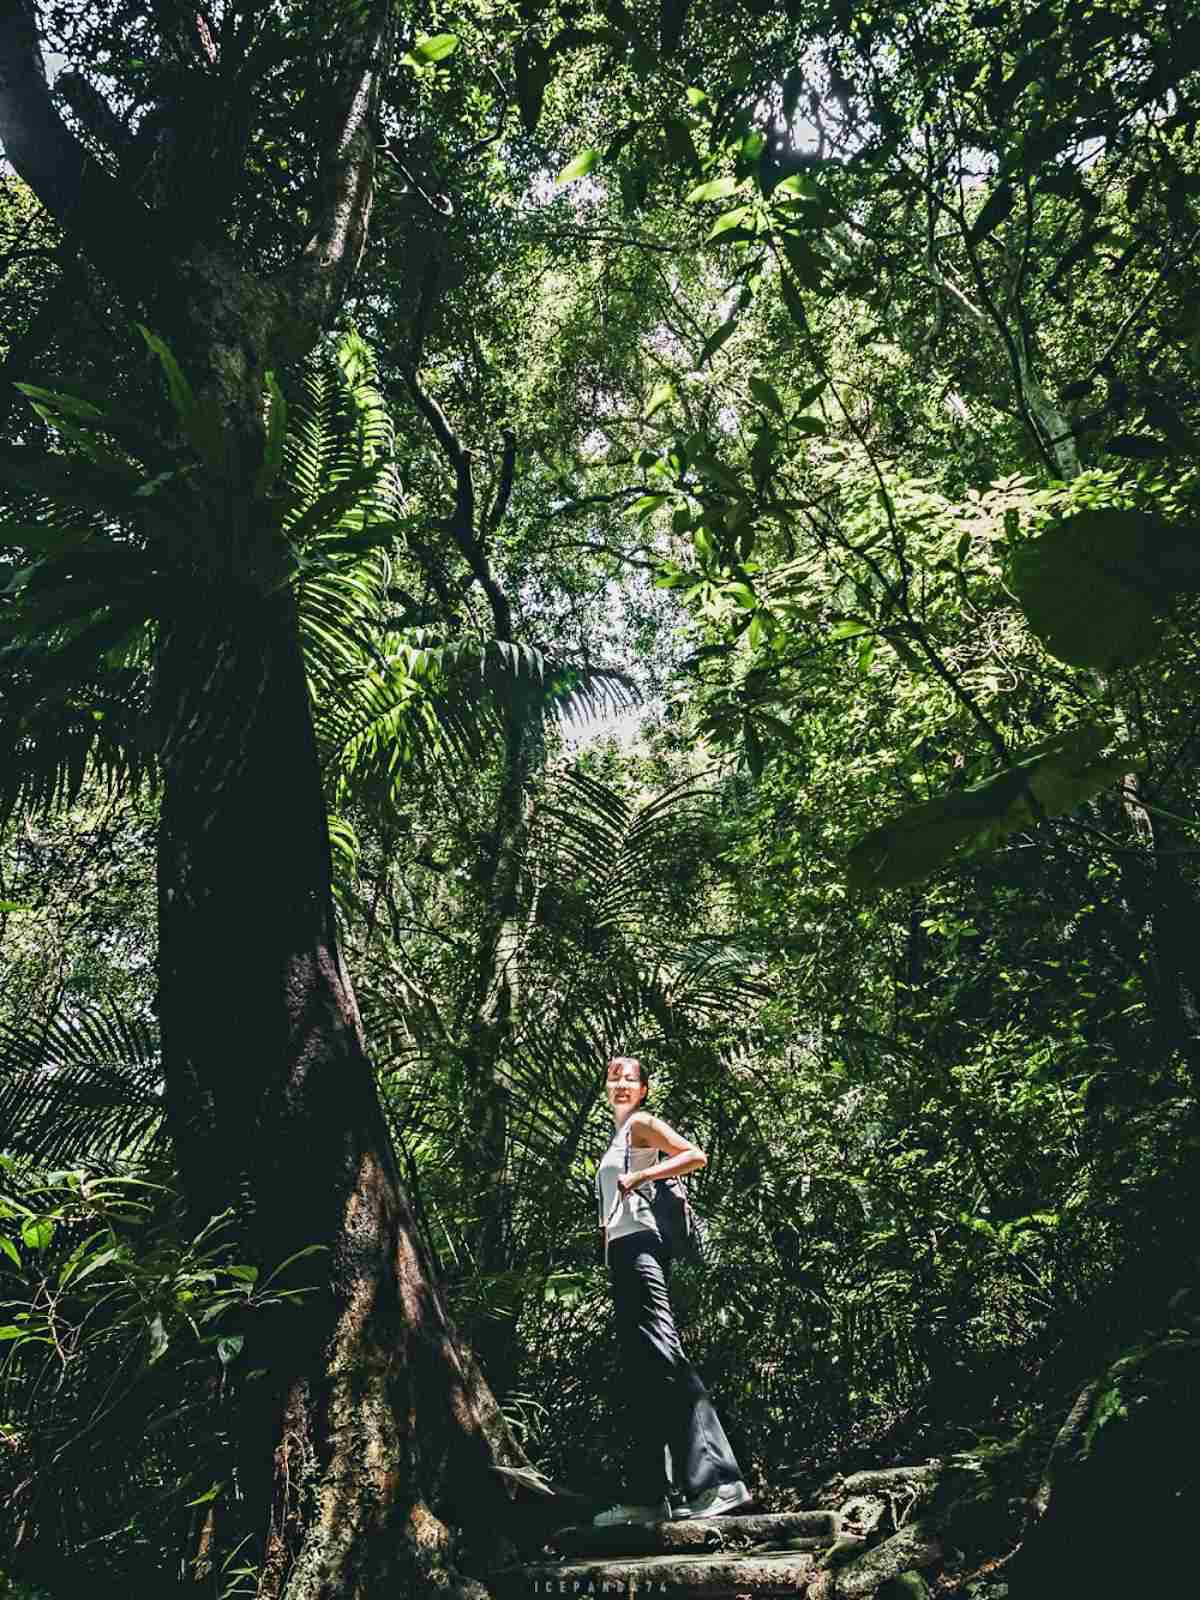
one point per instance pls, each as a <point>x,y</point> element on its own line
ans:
<point>628,1180</point>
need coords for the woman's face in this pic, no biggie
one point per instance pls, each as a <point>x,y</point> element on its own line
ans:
<point>625,1088</point>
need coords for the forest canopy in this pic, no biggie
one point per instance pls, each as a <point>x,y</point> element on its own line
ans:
<point>537,531</point>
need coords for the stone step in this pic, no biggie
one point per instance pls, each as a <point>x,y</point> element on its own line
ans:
<point>817,1528</point>
<point>715,1575</point>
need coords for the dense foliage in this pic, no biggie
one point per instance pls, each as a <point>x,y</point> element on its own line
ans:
<point>742,523</point>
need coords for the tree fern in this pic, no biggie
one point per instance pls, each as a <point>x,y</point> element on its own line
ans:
<point>119,527</point>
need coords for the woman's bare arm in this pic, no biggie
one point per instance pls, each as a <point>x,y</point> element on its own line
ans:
<point>683,1155</point>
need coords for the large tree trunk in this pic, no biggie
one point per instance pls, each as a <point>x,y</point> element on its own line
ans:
<point>367,1415</point>
<point>370,1418</point>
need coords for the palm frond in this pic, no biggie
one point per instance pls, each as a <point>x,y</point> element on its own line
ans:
<point>439,704</point>
<point>86,1088</point>
<point>709,973</point>
<point>612,848</point>
<point>96,728</point>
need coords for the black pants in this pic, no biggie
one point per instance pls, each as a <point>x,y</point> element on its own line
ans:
<point>667,1403</point>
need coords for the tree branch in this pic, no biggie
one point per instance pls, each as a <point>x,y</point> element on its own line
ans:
<point>345,176</point>
<point>464,497</point>
<point>504,492</point>
<point>97,210</point>
<point>95,113</point>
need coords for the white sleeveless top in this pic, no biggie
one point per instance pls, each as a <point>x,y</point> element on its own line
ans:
<point>630,1213</point>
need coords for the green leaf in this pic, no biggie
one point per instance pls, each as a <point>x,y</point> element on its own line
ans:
<point>662,395</point>
<point>1092,586</point>
<point>767,395</point>
<point>159,1339</point>
<point>328,509</point>
<point>1082,248</point>
<point>436,47</point>
<point>798,187</point>
<point>717,472</point>
<point>714,189</point>
<point>723,224</point>
<point>1066,182</point>
<point>647,503</point>
<point>814,425</point>
<point>580,167</point>
<point>1022,75</point>
<point>793,302</point>
<point>10,1250</point>
<point>230,1347</point>
<point>997,206</point>
<point>96,1262</point>
<point>178,388</point>
<point>209,1494</point>
<point>805,262</point>
<point>69,481</point>
<point>372,537</point>
<point>10,1331</point>
<point>69,404</point>
<point>849,630</point>
<point>1054,778</point>
<point>679,143</point>
<point>37,1232</point>
<point>696,98</point>
<point>714,342</point>
<point>781,729</point>
<point>39,537</point>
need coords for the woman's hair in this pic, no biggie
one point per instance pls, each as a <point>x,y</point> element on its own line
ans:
<point>643,1075</point>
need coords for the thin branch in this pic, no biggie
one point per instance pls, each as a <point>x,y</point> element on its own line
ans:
<point>570,508</point>
<point>504,492</point>
<point>481,145</point>
<point>1157,283</point>
<point>462,524</point>
<point>599,549</point>
<point>441,205</point>
<point>597,236</point>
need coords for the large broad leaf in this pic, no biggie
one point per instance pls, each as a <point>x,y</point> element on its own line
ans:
<point>1053,778</point>
<point>436,48</point>
<point>997,206</point>
<point>1092,587</point>
<point>580,167</point>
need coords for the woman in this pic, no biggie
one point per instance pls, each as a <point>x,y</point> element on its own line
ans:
<point>669,1404</point>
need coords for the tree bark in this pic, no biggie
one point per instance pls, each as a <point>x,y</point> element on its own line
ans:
<point>369,1419</point>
